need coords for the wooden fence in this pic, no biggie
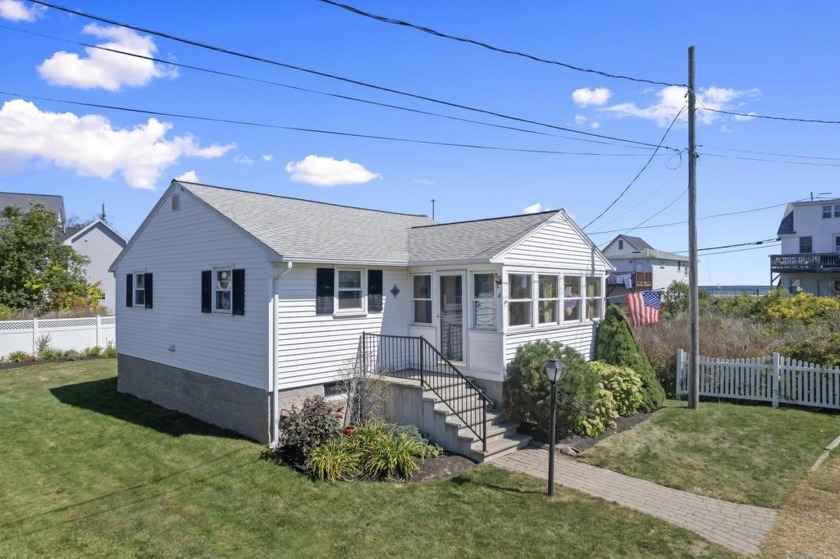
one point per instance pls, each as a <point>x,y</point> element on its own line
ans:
<point>774,378</point>
<point>62,333</point>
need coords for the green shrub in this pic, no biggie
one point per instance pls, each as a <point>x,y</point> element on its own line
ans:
<point>315,424</point>
<point>601,415</point>
<point>110,351</point>
<point>72,354</point>
<point>7,313</point>
<point>615,344</point>
<point>624,384</point>
<point>527,392</point>
<point>823,350</point>
<point>19,357</point>
<point>333,461</point>
<point>94,351</point>
<point>425,448</point>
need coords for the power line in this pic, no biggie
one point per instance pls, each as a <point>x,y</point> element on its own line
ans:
<point>749,243</point>
<point>674,201</point>
<point>440,34</point>
<point>317,130</point>
<point>637,174</point>
<point>306,90</point>
<point>742,158</point>
<point>743,249</point>
<point>699,218</point>
<point>768,117</point>
<point>256,58</point>
<point>772,154</point>
<point>641,201</point>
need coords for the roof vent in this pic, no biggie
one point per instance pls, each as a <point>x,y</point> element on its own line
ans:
<point>176,202</point>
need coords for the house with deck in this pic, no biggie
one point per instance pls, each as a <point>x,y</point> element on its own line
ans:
<point>810,252</point>
<point>236,305</point>
<point>640,267</point>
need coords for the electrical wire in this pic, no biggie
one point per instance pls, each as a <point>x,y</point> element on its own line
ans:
<point>698,219</point>
<point>742,158</point>
<point>768,117</point>
<point>307,90</point>
<point>637,174</point>
<point>315,130</point>
<point>772,154</point>
<point>674,201</point>
<point>749,243</point>
<point>264,60</point>
<point>742,249</point>
<point>442,35</point>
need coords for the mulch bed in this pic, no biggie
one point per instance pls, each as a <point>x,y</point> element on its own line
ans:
<point>578,442</point>
<point>21,364</point>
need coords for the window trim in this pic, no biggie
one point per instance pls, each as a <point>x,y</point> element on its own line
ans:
<point>599,299</point>
<point>826,212</point>
<point>579,298</point>
<point>135,289</point>
<point>810,242</point>
<point>362,308</point>
<point>427,300</point>
<point>215,289</point>
<point>555,299</point>
<point>529,299</point>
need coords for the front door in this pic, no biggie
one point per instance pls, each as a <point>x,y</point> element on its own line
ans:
<point>451,315</point>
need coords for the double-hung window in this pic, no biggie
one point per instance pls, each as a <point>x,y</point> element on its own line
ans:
<point>421,295</point>
<point>571,297</point>
<point>484,303</point>
<point>520,299</point>
<point>837,210</point>
<point>594,298</point>
<point>138,290</point>
<point>350,290</point>
<point>806,245</point>
<point>549,298</point>
<point>223,291</point>
<point>826,212</point>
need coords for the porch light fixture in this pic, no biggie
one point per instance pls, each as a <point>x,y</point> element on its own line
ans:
<point>553,370</point>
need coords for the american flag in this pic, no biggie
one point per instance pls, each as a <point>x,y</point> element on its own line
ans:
<point>644,307</point>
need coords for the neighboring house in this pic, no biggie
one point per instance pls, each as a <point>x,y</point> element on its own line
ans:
<point>639,267</point>
<point>101,244</point>
<point>235,304</point>
<point>810,258</point>
<point>51,202</point>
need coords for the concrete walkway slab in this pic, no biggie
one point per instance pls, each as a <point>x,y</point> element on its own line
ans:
<point>737,527</point>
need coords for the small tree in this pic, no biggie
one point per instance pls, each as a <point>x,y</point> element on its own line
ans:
<point>366,391</point>
<point>37,271</point>
<point>615,344</point>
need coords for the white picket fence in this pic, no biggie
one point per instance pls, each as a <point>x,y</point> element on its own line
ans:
<point>64,333</point>
<point>774,378</point>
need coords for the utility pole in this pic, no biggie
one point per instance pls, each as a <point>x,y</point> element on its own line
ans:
<point>693,298</point>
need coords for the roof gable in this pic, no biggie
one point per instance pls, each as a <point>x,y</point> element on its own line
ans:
<point>786,227</point>
<point>72,234</point>
<point>51,202</point>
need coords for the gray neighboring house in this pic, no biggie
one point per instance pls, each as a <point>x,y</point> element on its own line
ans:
<point>51,202</point>
<point>639,267</point>
<point>234,305</point>
<point>101,244</point>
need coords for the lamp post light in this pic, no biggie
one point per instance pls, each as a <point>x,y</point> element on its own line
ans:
<point>553,369</point>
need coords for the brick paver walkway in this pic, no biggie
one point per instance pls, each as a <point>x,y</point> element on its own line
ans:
<point>737,527</point>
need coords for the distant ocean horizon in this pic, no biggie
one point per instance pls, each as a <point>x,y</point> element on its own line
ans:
<point>736,289</point>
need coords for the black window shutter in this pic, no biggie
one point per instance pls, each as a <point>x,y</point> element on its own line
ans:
<point>375,290</point>
<point>129,290</point>
<point>149,291</point>
<point>325,291</point>
<point>206,292</point>
<point>238,292</point>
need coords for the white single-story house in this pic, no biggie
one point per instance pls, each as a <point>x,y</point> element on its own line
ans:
<point>234,305</point>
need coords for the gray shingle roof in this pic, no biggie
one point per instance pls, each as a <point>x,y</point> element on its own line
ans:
<point>304,230</point>
<point>51,202</point>
<point>786,226</point>
<point>636,242</point>
<point>471,240</point>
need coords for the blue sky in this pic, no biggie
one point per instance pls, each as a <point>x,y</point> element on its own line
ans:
<point>767,58</point>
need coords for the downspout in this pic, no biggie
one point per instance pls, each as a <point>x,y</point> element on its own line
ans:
<point>275,360</point>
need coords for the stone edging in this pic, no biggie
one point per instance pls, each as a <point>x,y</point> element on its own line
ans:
<point>831,446</point>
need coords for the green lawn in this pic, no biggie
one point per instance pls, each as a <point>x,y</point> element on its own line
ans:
<point>741,453</point>
<point>87,472</point>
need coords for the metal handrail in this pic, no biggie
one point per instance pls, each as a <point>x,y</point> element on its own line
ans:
<point>409,353</point>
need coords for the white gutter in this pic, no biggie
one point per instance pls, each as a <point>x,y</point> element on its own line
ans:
<point>275,360</point>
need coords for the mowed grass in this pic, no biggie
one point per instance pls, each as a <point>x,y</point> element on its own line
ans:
<point>741,453</point>
<point>87,472</point>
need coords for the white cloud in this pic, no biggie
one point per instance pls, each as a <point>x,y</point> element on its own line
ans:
<point>580,120</point>
<point>16,10</point>
<point>189,176</point>
<point>595,125</point>
<point>533,208</point>
<point>424,182</point>
<point>91,146</point>
<point>103,69</point>
<point>243,160</point>
<point>672,98</point>
<point>267,157</point>
<point>326,171</point>
<point>585,97</point>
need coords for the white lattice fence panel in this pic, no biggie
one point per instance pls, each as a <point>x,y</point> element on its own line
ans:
<point>61,333</point>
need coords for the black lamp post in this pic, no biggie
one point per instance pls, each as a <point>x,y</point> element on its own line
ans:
<point>553,370</point>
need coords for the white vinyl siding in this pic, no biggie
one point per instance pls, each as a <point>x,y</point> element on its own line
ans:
<point>177,246</point>
<point>557,245</point>
<point>580,336</point>
<point>315,348</point>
